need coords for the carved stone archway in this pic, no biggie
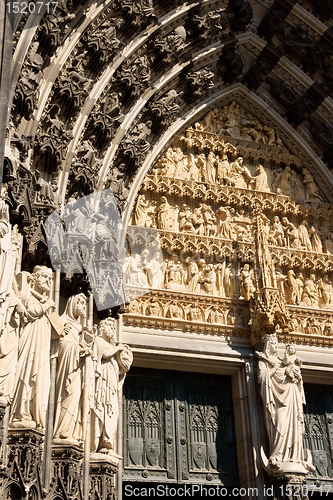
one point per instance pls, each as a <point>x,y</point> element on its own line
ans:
<point>97,94</point>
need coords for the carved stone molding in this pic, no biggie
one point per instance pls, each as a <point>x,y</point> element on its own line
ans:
<point>25,459</point>
<point>256,231</point>
<point>3,408</point>
<point>290,487</point>
<point>66,472</point>
<point>202,314</point>
<point>102,478</point>
<point>238,146</point>
<point>269,309</point>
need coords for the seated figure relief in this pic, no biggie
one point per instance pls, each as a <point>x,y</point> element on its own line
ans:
<point>233,121</point>
<point>221,169</point>
<point>229,224</point>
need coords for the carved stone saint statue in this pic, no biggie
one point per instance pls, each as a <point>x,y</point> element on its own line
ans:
<point>247,282</point>
<point>29,404</point>
<point>281,389</point>
<point>7,258</point>
<point>164,216</point>
<point>11,312</point>
<point>155,270</point>
<point>70,374</point>
<point>260,181</point>
<point>311,189</point>
<point>112,362</point>
<point>145,212</point>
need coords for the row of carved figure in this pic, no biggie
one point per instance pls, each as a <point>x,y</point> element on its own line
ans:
<point>308,292</point>
<point>311,325</point>
<point>223,280</point>
<point>226,223</point>
<point>297,290</point>
<point>90,366</point>
<point>231,316</point>
<point>214,169</point>
<point>145,272</point>
<point>233,121</point>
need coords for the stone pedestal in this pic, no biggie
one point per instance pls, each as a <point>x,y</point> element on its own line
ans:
<point>66,472</point>
<point>24,463</point>
<point>290,487</point>
<point>102,476</point>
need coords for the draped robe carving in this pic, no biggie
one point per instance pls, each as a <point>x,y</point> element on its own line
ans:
<point>33,367</point>
<point>112,364</point>
<point>70,375</point>
<point>283,399</point>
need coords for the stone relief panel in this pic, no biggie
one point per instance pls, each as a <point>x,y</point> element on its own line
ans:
<point>202,198</point>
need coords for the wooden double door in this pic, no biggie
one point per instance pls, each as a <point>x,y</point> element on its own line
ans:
<point>178,427</point>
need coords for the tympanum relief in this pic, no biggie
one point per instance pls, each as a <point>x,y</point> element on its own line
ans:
<point>202,198</point>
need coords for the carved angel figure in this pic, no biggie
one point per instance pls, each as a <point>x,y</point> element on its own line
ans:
<point>247,282</point>
<point>311,189</point>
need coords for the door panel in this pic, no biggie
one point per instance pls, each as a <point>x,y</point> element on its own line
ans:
<point>148,426</point>
<point>318,436</point>
<point>179,426</point>
<point>206,444</point>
